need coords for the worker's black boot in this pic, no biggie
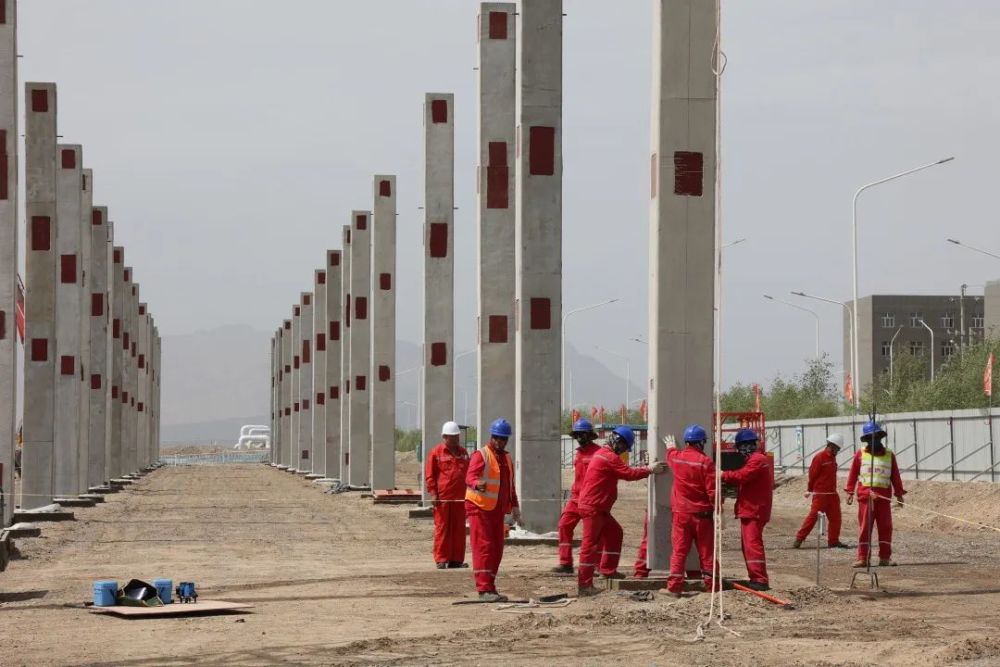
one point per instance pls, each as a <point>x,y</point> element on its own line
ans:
<point>563,569</point>
<point>758,586</point>
<point>441,566</point>
<point>614,575</point>
<point>796,544</point>
<point>840,545</point>
<point>454,564</point>
<point>587,592</point>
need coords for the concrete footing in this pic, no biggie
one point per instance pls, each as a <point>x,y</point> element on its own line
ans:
<point>24,530</point>
<point>43,514</point>
<point>79,501</point>
<point>326,480</point>
<point>102,489</point>
<point>651,584</point>
<point>313,476</point>
<point>120,482</point>
<point>94,498</point>
<point>421,513</point>
<point>531,541</point>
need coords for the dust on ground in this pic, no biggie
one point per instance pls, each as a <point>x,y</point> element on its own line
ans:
<point>335,580</point>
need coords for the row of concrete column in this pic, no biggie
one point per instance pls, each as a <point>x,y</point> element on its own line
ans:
<point>333,395</point>
<point>91,347</point>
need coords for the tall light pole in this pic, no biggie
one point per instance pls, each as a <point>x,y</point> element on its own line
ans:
<point>628,369</point>
<point>892,343</point>
<point>969,247</point>
<point>850,324</point>
<point>854,256</point>
<point>731,244</point>
<point>802,308</point>
<point>932,346</point>
<point>562,400</point>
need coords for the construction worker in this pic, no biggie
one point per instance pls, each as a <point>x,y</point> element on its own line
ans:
<point>692,501</point>
<point>489,496</point>
<point>444,481</point>
<point>583,433</point>
<point>822,486</point>
<point>600,491</point>
<point>754,492</point>
<point>875,474</point>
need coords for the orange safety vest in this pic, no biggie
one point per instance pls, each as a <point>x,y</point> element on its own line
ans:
<point>486,500</point>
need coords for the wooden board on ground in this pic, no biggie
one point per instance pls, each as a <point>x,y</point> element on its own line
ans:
<point>173,609</point>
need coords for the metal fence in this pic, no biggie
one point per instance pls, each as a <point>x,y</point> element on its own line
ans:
<point>216,458</point>
<point>959,445</point>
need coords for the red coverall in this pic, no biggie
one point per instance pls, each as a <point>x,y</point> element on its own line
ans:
<point>486,528</point>
<point>692,500</point>
<point>571,513</point>
<point>600,530</point>
<point>881,507</point>
<point>823,485</point>
<point>755,488</point>
<point>444,479</point>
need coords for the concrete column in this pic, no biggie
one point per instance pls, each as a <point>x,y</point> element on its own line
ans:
<point>345,358</point>
<point>293,451</point>
<point>123,395</point>
<point>538,261</point>
<point>83,376</point>
<point>96,388</point>
<point>334,354</point>
<point>142,387</point>
<point>130,423</point>
<point>275,393</point>
<point>319,375</point>
<point>157,358</point>
<point>359,398</point>
<point>383,332</point>
<point>8,253</point>
<point>286,393</point>
<point>439,267</point>
<point>497,118</point>
<point>40,297</point>
<point>304,464</point>
<point>681,239</point>
<point>115,457</point>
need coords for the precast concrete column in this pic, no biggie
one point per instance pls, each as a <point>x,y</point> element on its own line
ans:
<point>8,253</point>
<point>69,199</point>
<point>439,269</point>
<point>286,393</point>
<point>383,332</point>
<point>83,376</point>
<point>40,295</point>
<point>96,388</point>
<point>538,261</point>
<point>681,240</point>
<point>497,119</point>
<point>345,358</point>
<point>304,464</point>
<point>293,451</point>
<point>319,374</point>
<point>334,355</point>
<point>129,440</point>
<point>116,281</point>
<point>359,469</point>
<point>157,358</point>
<point>142,388</point>
<point>275,393</point>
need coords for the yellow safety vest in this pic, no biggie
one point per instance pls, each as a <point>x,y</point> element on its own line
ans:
<point>487,499</point>
<point>876,471</point>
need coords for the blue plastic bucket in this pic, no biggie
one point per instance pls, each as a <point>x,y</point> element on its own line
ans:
<point>104,593</point>
<point>164,589</point>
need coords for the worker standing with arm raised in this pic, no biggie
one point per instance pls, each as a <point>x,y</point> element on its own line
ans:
<point>875,475</point>
<point>822,486</point>
<point>444,479</point>
<point>583,433</point>
<point>489,496</point>
<point>754,495</point>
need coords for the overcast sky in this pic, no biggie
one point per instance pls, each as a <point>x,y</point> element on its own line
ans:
<point>230,140</point>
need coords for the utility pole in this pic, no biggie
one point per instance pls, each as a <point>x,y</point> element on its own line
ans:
<point>961,321</point>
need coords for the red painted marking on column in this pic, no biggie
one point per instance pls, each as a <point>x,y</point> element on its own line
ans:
<point>347,458</point>
<point>133,350</point>
<point>541,313</point>
<point>125,341</point>
<point>4,164</point>
<point>97,304</point>
<point>320,342</point>
<point>347,311</point>
<point>288,368</point>
<point>95,381</point>
<point>305,404</point>
<point>384,373</point>
<point>39,349</point>
<point>361,383</point>
<point>347,236</point>
<point>361,308</point>
<point>133,290</point>
<point>334,393</point>
<point>67,269</point>
<point>295,407</point>
<point>288,412</point>
<point>96,219</point>
<point>131,401</point>
<point>498,329</point>
<point>498,154</point>
<point>385,281</point>
<point>689,168</point>
<point>306,299</point>
<point>334,330</point>
<point>3,325</point>
<point>117,256</point>
<point>141,407</point>
<point>541,151</point>
<point>305,352</point>
<point>3,11</point>
<point>347,386</point>
<point>361,222</point>
<point>68,156</point>
<point>385,188</point>
<point>288,325</point>
<point>439,111</point>
<point>114,391</point>
<point>321,278</point>
<point>320,399</point>
<point>497,195</point>
<point>142,309</point>
<point>295,311</point>
<point>295,362</point>
<point>498,25</point>
<point>437,243</point>
<point>334,259</point>
<point>67,365</point>
<point>653,174</point>
<point>39,100</point>
<point>305,454</point>
<point>116,328</point>
<point>41,233</point>
<point>439,354</point>
<point>142,361</point>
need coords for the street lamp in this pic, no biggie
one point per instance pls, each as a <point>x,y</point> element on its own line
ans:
<point>562,379</point>
<point>892,343</point>
<point>932,346</point>
<point>854,253</point>
<point>850,322</point>
<point>798,307</point>
<point>628,369</point>
<point>969,247</point>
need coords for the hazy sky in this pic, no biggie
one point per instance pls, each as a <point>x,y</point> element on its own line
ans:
<point>232,138</point>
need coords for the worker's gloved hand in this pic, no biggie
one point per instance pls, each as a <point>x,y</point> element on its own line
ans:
<point>899,501</point>
<point>657,467</point>
<point>435,501</point>
<point>850,498</point>
<point>670,441</point>
<point>515,515</point>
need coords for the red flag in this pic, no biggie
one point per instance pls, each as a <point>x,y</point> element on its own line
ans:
<point>756,397</point>
<point>849,389</point>
<point>988,376</point>
<point>624,414</point>
<point>643,410</point>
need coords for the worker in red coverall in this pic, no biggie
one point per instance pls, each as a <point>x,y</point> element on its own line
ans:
<point>444,481</point>
<point>875,474</point>
<point>754,492</point>
<point>583,433</point>
<point>600,491</point>
<point>489,496</point>
<point>822,486</point>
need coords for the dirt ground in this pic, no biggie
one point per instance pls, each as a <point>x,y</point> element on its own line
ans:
<point>335,580</point>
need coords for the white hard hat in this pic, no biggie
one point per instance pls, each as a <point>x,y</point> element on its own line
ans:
<point>836,439</point>
<point>450,428</point>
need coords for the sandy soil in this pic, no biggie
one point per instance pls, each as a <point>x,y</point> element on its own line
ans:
<point>337,581</point>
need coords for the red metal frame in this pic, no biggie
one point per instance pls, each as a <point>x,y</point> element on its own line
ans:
<point>734,421</point>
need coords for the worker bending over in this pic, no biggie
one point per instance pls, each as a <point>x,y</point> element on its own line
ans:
<point>444,481</point>
<point>822,486</point>
<point>875,474</point>
<point>600,491</point>
<point>489,496</point>
<point>754,493</point>
<point>583,433</point>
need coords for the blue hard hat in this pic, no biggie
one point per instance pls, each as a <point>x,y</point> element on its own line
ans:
<point>626,434</point>
<point>745,435</point>
<point>870,429</point>
<point>695,433</point>
<point>582,426</point>
<point>501,428</point>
